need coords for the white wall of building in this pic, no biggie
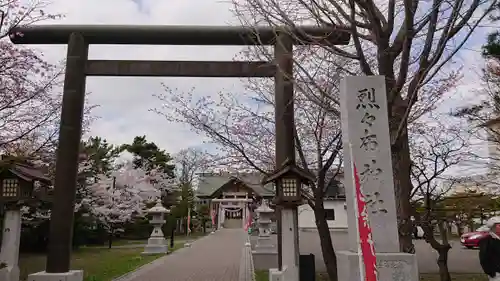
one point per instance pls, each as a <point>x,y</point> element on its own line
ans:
<point>307,220</point>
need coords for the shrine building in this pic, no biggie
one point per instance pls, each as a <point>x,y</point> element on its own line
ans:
<point>231,198</point>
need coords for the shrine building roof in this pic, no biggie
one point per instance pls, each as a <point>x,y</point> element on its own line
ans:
<point>210,184</point>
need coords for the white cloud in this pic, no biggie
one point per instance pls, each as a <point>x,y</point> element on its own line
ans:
<point>124,103</point>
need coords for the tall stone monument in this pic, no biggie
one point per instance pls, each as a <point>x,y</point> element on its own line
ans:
<point>365,132</point>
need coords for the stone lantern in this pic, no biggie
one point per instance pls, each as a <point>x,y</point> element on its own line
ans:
<point>21,184</point>
<point>289,180</point>
<point>264,242</point>
<point>157,244</point>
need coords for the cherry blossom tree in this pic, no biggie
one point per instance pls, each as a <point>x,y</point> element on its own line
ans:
<point>123,195</point>
<point>244,132</point>
<point>440,145</point>
<point>482,117</point>
<point>412,43</point>
<point>28,107</point>
<point>30,87</point>
<point>242,124</point>
<point>191,161</point>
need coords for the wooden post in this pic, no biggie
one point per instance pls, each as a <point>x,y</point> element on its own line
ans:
<point>287,223</point>
<point>70,131</point>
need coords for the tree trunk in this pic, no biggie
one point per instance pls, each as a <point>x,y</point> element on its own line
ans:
<point>442,249</point>
<point>110,240</point>
<point>325,240</point>
<point>172,238</point>
<point>401,163</point>
<point>442,262</point>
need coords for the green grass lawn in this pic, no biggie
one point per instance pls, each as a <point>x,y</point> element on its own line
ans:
<point>98,264</point>
<point>263,275</point>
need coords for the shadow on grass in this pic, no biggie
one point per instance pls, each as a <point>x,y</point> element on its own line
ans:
<point>141,242</point>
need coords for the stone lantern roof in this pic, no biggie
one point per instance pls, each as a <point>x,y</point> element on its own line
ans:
<point>23,170</point>
<point>158,209</point>
<point>264,208</point>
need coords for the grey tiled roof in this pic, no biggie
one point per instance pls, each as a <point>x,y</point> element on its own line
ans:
<point>209,183</point>
<point>254,182</point>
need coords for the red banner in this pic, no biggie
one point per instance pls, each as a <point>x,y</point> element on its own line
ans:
<point>365,232</point>
<point>212,213</point>
<point>249,220</point>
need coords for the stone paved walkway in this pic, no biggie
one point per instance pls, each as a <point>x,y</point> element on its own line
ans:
<point>213,258</point>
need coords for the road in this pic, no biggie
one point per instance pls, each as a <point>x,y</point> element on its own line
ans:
<point>216,257</point>
<point>461,260</point>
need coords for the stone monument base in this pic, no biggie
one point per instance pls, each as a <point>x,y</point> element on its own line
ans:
<point>265,261</point>
<point>277,275</point>
<point>156,245</point>
<point>391,266</point>
<point>264,245</point>
<point>264,249</point>
<point>72,275</point>
<point>9,273</point>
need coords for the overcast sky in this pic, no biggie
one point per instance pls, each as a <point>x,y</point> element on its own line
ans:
<point>124,102</point>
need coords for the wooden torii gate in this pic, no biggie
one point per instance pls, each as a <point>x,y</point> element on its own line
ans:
<point>78,67</point>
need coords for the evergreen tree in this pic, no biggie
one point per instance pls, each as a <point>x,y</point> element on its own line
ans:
<point>148,156</point>
<point>101,154</point>
<point>97,158</point>
<point>492,47</point>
